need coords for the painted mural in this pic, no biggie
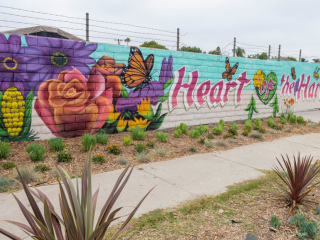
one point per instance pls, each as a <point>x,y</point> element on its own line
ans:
<point>68,88</point>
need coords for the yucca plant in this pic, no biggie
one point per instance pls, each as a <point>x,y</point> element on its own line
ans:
<point>77,210</point>
<point>298,180</point>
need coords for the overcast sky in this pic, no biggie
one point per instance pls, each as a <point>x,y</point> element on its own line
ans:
<point>208,23</point>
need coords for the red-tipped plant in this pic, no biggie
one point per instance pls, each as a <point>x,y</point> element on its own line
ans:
<point>298,180</point>
<point>76,221</point>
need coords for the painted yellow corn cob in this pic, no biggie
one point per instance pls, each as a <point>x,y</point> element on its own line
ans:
<point>13,109</point>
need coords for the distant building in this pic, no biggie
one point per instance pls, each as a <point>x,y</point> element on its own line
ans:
<point>44,31</point>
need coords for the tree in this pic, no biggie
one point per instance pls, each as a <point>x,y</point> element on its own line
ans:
<point>304,60</point>
<point>262,56</point>
<point>216,52</point>
<point>153,44</point>
<point>240,52</point>
<point>316,60</point>
<point>292,58</point>
<point>127,40</point>
<point>251,107</point>
<point>191,49</point>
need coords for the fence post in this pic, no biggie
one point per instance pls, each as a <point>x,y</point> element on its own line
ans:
<point>269,51</point>
<point>178,38</point>
<point>300,56</point>
<point>279,53</point>
<point>87,27</point>
<point>234,47</point>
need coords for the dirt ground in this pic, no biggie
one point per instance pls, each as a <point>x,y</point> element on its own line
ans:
<point>174,148</point>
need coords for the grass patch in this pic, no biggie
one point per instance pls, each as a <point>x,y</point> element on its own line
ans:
<point>28,174</point>
<point>256,135</point>
<point>142,157</point>
<point>312,125</point>
<point>122,161</point>
<point>288,130</point>
<point>221,143</point>
<point>208,144</point>
<point>160,152</point>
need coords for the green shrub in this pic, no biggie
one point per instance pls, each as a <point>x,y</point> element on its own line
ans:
<point>127,141</point>
<point>102,138</point>
<point>231,140</point>
<point>88,142</point>
<point>218,129</point>
<point>202,140</point>
<point>222,123</point>
<point>194,133</point>
<point>274,221</point>
<point>114,149</point>
<point>300,120</point>
<point>221,143</point>
<point>257,122</point>
<point>122,161</point>
<point>138,134</point>
<point>28,174</point>
<point>307,229</point>
<point>248,125</point>
<point>183,128</point>
<point>56,144</point>
<point>160,152</point>
<point>256,135</point>
<point>36,151</point>
<point>245,133</point>
<point>288,130</point>
<point>283,120</point>
<point>5,184</point>
<point>5,149</point>
<point>235,126</point>
<point>161,136</point>
<point>270,122</point>
<point>41,168</point>
<point>140,147</point>
<point>232,131</point>
<point>142,157</point>
<point>293,119</point>
<point>312,125</point>
<point>9,165</point>
<point>289,115</point>
<point>177,133</point>
<point>318,209</point>
<point>64,156</point>
<point>150,144</point>
<point>208,144</point>
<point>282,115</point>
<point>260,129</point>
<point>192,149</point>
<point>99,159</point>
<point>210,136</point>
<point>202,129</point>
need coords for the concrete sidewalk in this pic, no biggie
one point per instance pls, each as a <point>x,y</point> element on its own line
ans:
<point>179,179</point>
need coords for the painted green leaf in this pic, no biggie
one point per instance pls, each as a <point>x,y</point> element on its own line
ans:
<point>266,99</point>
<point>168,83</point>
<point>251,107</point>
<point>275,106</point>
<point>157,124</point>
<point>27,115</point>
<point>163,98</point>
<point>124,93</point>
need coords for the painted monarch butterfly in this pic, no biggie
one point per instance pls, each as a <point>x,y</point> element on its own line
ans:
<point>293,73</point>
<point>138,72</point>
<point>230,71</point>
<point>316,73</point>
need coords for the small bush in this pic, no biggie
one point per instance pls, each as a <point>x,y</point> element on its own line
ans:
<point>222,123</point>
<point>102,138</point>
<point>5,149</point>
<point>218,129</point>
<point>192,149</point>
<point>228,135</point>
<point>270,122</point>
<point>202,140</point>
<point>88,142</point>
<point>183,128</point>
<point>210,136</point>
<point>232,131</point>
<point>41,168</point>
<point>114,149</point>
<point>221,143</point>
<point>9,165</point>
<point>282,115</point>
<point>300,120</point>
<point>318,209</point>
<point>234,126</point>
<point>194,133</point>
<point>99,159</point>
<point>257,122</point>
<point>150,144</point>
<point>307,229</point>
<point>64,156</point>
<point>142,157</point>
<point>274,131</point>
<point>138,134</point>
<point>245,133</point>
<point>56,144</point>
<point>293,119</point>
<point>202,129</point>
<point>248,125</point>
<point>312,125</point>
<point>140,147</point>
<point>161,136</point>
<point>28,174</point>
<point>127,141</point>
<point>240,138</point>
<point>5,184</point>
<point>274,221</point>
<point>256,135</point>
<point>288,130</point>
<point>122,161</point>
<point>231,140</point>
<point>36,151</point>
<point>177,133</point>
<point>289,115</point>
<point>160,152</point>
<point>208,144</point>
<point>283,120</point>
<point>260,129</point>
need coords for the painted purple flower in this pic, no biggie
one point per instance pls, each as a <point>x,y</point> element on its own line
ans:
<point>153,90</point>
<point>296,86</point>
<point>57,55</point>
<point>13,64</point>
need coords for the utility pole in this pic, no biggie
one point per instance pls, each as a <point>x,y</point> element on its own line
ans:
<point>87,27</point>
<point>269,51</point>
<point>279,53</point>
<point>300,56</point>
<point>178,39</point>
<point>234,47</point>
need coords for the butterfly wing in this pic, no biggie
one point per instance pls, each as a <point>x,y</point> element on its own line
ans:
<point>137,70</point>
<point>293,73</point>
<point>226,73</point>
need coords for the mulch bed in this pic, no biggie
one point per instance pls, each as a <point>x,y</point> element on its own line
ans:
<point>174,147</point>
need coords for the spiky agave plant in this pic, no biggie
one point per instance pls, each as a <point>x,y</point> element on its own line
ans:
<point>298,180</point>
<point>77,210</point>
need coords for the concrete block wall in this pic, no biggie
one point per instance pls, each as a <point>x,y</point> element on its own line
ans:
<point>56,87</point>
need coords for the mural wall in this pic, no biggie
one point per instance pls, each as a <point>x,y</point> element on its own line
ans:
<point>55,87</point>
